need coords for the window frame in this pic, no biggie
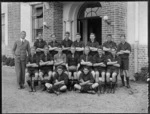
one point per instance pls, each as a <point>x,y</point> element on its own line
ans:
<point>34,7</point>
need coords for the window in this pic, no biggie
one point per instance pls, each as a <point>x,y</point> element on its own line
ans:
<point>3,27</point>
<point>90,9</point>
<point>37,21</point>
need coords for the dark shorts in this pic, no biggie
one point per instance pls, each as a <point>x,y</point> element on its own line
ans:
<point>32,72</point>
<point>45,71</point>
<point>100,70</point>
<point>124,64</point>
<point>85,88</point>
<point>112,70</point>
<point>57,87</point>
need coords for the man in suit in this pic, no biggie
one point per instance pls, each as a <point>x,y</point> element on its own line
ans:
<point>20,49</point>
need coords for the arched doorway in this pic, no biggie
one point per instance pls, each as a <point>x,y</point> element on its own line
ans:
<point>89,20</point>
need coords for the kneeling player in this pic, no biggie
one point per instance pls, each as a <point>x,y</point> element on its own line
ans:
<point>86,82</point>
<point>32,70</point>
<point>46,67</point>
<point>99,66</point>
<point>59,82</point>
<point>113,64</point>
<point>72,67</point>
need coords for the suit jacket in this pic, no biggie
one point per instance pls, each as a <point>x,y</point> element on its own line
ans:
<point>20,50</point>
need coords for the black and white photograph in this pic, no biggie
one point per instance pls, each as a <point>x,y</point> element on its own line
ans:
<point>75,57</point>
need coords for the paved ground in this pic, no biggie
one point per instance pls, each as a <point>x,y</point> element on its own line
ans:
<point>21,101</point>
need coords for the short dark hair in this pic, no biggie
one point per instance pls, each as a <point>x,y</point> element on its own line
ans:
<point>78,34</point>
<point>67,33</point>
<point>114,48</point>
<point>109,35</point>
<point>123,35</point>
<point>23,31</point>
<point>86,67</point>
<point>39,33</point>
<point>92,34</point>
<point>53,35</point>
<point>100,47</point>
<point>59,67</point>
<point>46,46</point>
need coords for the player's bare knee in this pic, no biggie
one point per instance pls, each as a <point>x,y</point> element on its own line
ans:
<point>63,87</point>
<point>48,85</point>
<point>95,85</point>
<point>77,86</point>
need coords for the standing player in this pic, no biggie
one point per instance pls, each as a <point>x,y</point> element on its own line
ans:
<point>78,44</point>
<point>113,64</point>
<point>93,44</point>
<point>72,66</point>
<point>39,44</point>
<point>66,44</point>
<point>86,82</point>
<point>32,70</point>
<point>53,45</point>
<point>124,50</point>
<point>59,82</point>
<point>99,64</point>
<point>46,67</point>
<point>86,60</point>
<point>108,45</point>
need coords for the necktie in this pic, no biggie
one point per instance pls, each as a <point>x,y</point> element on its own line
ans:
<point>22,41</point>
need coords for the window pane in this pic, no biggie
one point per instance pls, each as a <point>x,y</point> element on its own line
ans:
<point>88,10</point>
<point>3,33</point>
<point>95,9</point>
<point>40,23</point>
<point>3,19</point>
<point>37,21</point>
<point>89,15</point>
<point>98,12</point>
<point>93,14</point>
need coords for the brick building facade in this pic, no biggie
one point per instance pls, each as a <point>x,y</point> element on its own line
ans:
<point>127,18</point>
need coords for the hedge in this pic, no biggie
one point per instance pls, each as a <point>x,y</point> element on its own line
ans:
<point>8,61</point>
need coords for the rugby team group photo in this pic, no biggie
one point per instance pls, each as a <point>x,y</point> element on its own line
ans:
<point>58,67</point>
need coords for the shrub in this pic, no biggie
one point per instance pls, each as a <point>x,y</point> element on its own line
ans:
<point>142,75</point>
<point>4,58</point>
<point>11,63</point>
<point>8,61</point>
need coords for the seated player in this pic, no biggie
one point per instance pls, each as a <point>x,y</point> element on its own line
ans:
<point>32,70</point>
<point>72,66</point>
<point>46,67</point>
<point>53,45</point>
<point>59,82</point>
<point>93,44</point>
<point>79,44</point>
<point>113,64</point>
<point>59,60</point>
<point>99,64</point>
<point>86,82</point>
<point>86,60</point>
